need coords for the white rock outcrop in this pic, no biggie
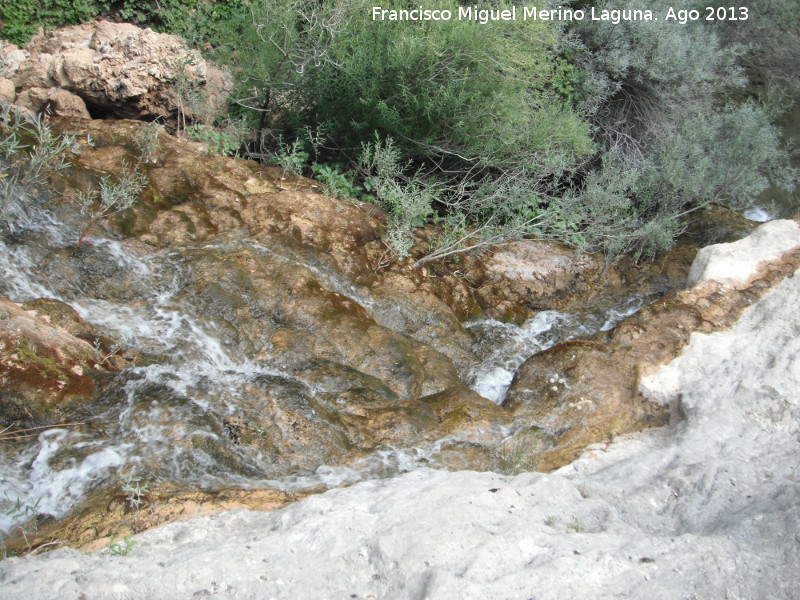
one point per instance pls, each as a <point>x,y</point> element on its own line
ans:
<point>708,507</point>
<point>115,69</point>
<point>735,262</point>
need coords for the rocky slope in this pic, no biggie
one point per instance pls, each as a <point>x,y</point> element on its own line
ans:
<point>704,507</point>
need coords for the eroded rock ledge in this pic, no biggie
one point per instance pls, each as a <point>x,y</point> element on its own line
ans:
<point>587,391</point>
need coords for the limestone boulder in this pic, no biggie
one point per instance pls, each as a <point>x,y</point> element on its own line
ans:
<point>736,262</point>
<point>7,91</point>
<point>55,101</point>
<point>118,70</point>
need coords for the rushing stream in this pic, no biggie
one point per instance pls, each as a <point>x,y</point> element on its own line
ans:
<point>174,418</point>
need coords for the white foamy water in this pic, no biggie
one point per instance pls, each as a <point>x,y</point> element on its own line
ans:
<point>168,419</point>
<point>53,475</point>
<point>165,417</point>
<point>758,214</point>
<point>502,347</point>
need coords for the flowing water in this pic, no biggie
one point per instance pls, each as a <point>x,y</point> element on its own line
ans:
<point>171,420</point>
<point>502,347</point>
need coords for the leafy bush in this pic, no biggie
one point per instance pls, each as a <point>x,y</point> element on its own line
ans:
<point>767,45</point>
<point>661,98</point>
<point>338,184</point>
<point>494,95</point>
<point>407,199</point>
<point>197,20</point>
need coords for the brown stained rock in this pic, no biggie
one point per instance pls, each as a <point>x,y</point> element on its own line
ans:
<point>52,101</point>
<point>461,411</point>
<point>43,366</point>
<point>279,309</point>
<point>118,69</point>
<point>372,419</point>
<point>531,268</point>
<point>193,197</point>
<point>587,391</point>
<point>62,315</point>
<point>107,514</point>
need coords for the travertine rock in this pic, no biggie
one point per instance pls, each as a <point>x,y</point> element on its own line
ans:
<point>117,69</point>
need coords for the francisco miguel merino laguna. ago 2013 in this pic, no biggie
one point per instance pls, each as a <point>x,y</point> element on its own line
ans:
<point>533,13</point>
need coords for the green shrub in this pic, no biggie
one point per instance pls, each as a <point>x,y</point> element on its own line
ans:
<point>661,96</point>
<point>408,199</point>
<point>21,18</point>
<point>494,95</point>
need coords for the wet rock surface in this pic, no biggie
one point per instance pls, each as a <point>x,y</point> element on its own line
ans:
<point>47,359</point>
<point>704,507</point>
<point>269,339</point>
<point>114,514</point>
<point>587,390</point>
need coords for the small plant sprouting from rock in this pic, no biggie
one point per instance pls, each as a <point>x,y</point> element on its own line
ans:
<point>291,157</point>
<point>148,144</point>
<point>117,194</point>
<point>121,548</point>
<point>226,139</point>
<point>112,198</point>
<point>107,352</point>
<point>29,152</point>
<point>134,490</point>
<point>521,454</point>
<point>25,513</point>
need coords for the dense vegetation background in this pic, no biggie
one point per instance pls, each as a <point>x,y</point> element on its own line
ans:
<point>604,136</point>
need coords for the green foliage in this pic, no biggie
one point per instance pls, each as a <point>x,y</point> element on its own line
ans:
<point>134,490</point>
<point>408,199</point>
<point>618,212</point>
<point>660,98</point>
<point>29,153</point>
<point>21,18</point>
<point>766,45</point>
<point>521,453</point>
<point>291,157</point>
<point>147,143</point>
<point>226,140</point>
<point>602,135</point>
<point>338,184</point>
<point>121,549</point>
<point>115,194</point>
<point>645,77</point>
<point>493,95</point>
<point>729,156</point>
<point>197,20</point>
<point>26,512</point>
